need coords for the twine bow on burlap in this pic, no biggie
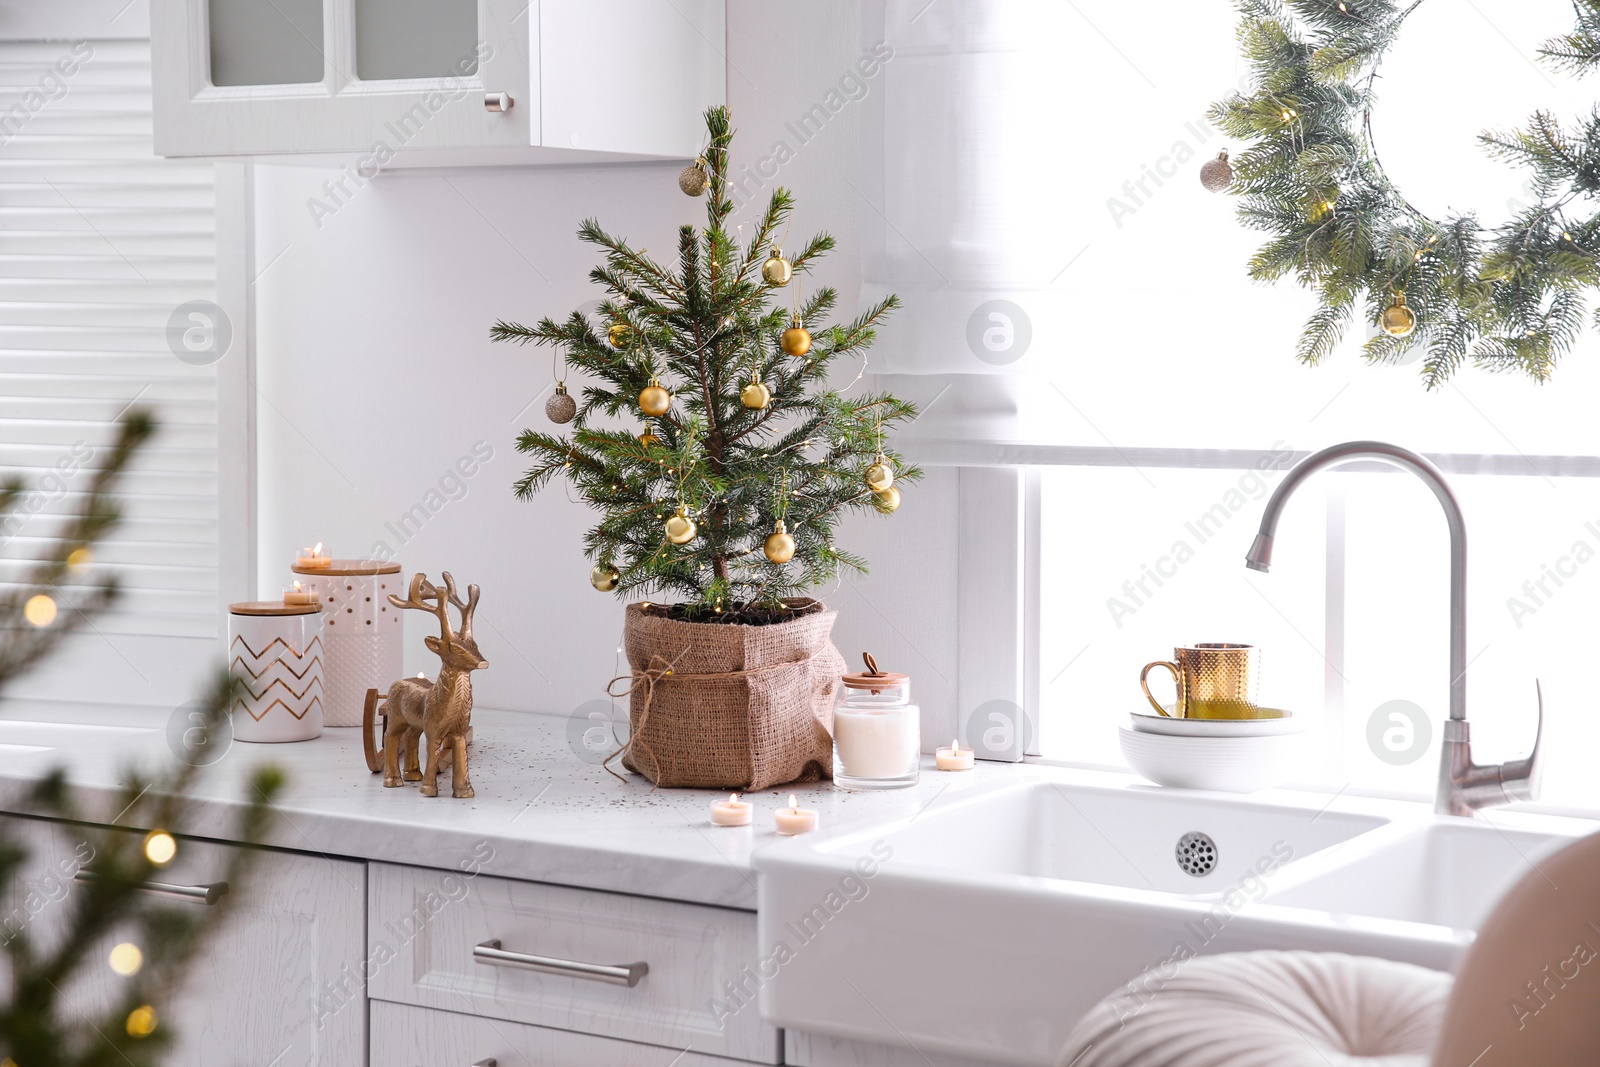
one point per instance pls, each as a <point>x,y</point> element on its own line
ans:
<point>659,670</point>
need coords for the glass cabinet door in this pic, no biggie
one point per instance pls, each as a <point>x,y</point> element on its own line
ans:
<point>376,77</point>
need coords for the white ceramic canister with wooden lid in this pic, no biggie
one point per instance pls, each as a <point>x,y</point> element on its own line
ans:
<point>276,652</point>
<point>362,631</point>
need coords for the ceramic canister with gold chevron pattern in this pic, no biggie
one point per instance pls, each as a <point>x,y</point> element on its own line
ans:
<point>275,650</point>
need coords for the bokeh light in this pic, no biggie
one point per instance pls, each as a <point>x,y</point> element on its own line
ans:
<point>160,847</point>
<point>126,959</point>
<point>40,610</point>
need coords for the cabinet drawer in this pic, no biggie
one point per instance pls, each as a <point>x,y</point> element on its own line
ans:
<point>698,991</point>
<point>280,976</point>
<point>403,1036</point>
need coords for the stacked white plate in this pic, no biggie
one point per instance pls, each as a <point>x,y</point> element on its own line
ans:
<point>1227,755</point>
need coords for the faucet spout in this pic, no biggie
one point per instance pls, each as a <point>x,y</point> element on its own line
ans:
<point>1464,786</point>
<point>1260,556</point>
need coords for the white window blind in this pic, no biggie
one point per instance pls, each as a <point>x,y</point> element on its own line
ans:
<point>100,241</point>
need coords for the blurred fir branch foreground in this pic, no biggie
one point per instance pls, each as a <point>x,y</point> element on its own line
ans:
<point>88,979</point>
<point>707,327</point>
<point>1501,295</point>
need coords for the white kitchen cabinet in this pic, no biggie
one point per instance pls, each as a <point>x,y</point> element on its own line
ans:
<point>280,982</point>
<point>556,959</point>
<point>406,82</point>
<point>404,1036</point>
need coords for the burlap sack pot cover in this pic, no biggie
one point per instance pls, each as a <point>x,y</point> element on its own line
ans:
<point>730,706</point>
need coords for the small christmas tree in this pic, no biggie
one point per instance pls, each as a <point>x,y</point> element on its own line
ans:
<point>729,491</point>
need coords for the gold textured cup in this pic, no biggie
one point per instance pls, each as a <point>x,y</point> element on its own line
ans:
<point>1216,680</point>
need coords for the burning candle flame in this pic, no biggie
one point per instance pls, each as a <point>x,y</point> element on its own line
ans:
<point>317,551</point>
<point>297,585</point>
<point>794,802</point>
<point>733,798</point>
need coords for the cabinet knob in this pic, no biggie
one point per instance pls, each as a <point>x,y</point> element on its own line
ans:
<point>497,101</point>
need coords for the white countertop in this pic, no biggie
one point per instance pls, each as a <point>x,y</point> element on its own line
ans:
<point>548,814</point>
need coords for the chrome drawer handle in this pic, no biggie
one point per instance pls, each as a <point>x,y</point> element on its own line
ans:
<point>194,894</point>
<point>501,102</point>
<point>628,974</point>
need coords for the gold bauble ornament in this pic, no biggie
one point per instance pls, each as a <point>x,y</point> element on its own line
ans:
<point>755,396</point>
<point>647,439</point>
<point>777,270</point>
<point>604,577</point>
<point>879,477</point>
<point>560,407</point>
<point>680,527</point>
<point>619,334</point>
<point>887,500</point>
<point>693,179</point>
<point>779,546</point>
<point>796,340</point>
<point>654,400</point>
<point>1217,174</point>
<point>1397,320</point>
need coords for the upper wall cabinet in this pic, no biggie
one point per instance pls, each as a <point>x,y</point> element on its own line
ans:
<point>453,81</point>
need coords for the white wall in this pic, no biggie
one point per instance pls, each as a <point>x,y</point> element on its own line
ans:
<point>376,374</point>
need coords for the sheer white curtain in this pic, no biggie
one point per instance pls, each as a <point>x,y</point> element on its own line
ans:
<point>959,178</point>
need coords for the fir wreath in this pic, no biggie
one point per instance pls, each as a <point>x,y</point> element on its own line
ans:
<point>1504,297</point>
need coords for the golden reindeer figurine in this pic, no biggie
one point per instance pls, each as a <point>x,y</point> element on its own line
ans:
<point>441,710</point>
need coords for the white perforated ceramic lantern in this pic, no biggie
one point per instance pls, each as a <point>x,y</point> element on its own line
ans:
<point>362,631</point>
<point>276,652</point>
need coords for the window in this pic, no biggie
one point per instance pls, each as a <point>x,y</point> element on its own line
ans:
<point>101,246</point>
<point>1176,377</point>
<point>1352,616</point>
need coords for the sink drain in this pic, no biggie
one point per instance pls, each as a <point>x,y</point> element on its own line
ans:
<point>1197,854</point>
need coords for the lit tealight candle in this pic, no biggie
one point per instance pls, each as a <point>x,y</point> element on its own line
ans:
<point>794,819</point>
<point>298,595</point>
<point>731,812</point>
<point>314,558</point>
<point>954,758</point>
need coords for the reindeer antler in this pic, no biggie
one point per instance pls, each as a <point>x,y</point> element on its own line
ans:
<point>425,596</point>
<point>466,609</point>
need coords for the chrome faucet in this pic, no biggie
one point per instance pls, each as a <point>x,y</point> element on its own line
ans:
<point>1464,786</point>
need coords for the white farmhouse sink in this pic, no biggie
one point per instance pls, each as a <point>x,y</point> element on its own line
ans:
<point>1445,874</point>
<point>987,925</point>
<point>1056,831</point>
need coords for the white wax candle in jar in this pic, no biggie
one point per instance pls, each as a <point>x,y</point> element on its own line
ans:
<point>731,812</point>
<point>877,731</point>
<point>794,819</point>
<point>954,758</point>
<point>314,558</point>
